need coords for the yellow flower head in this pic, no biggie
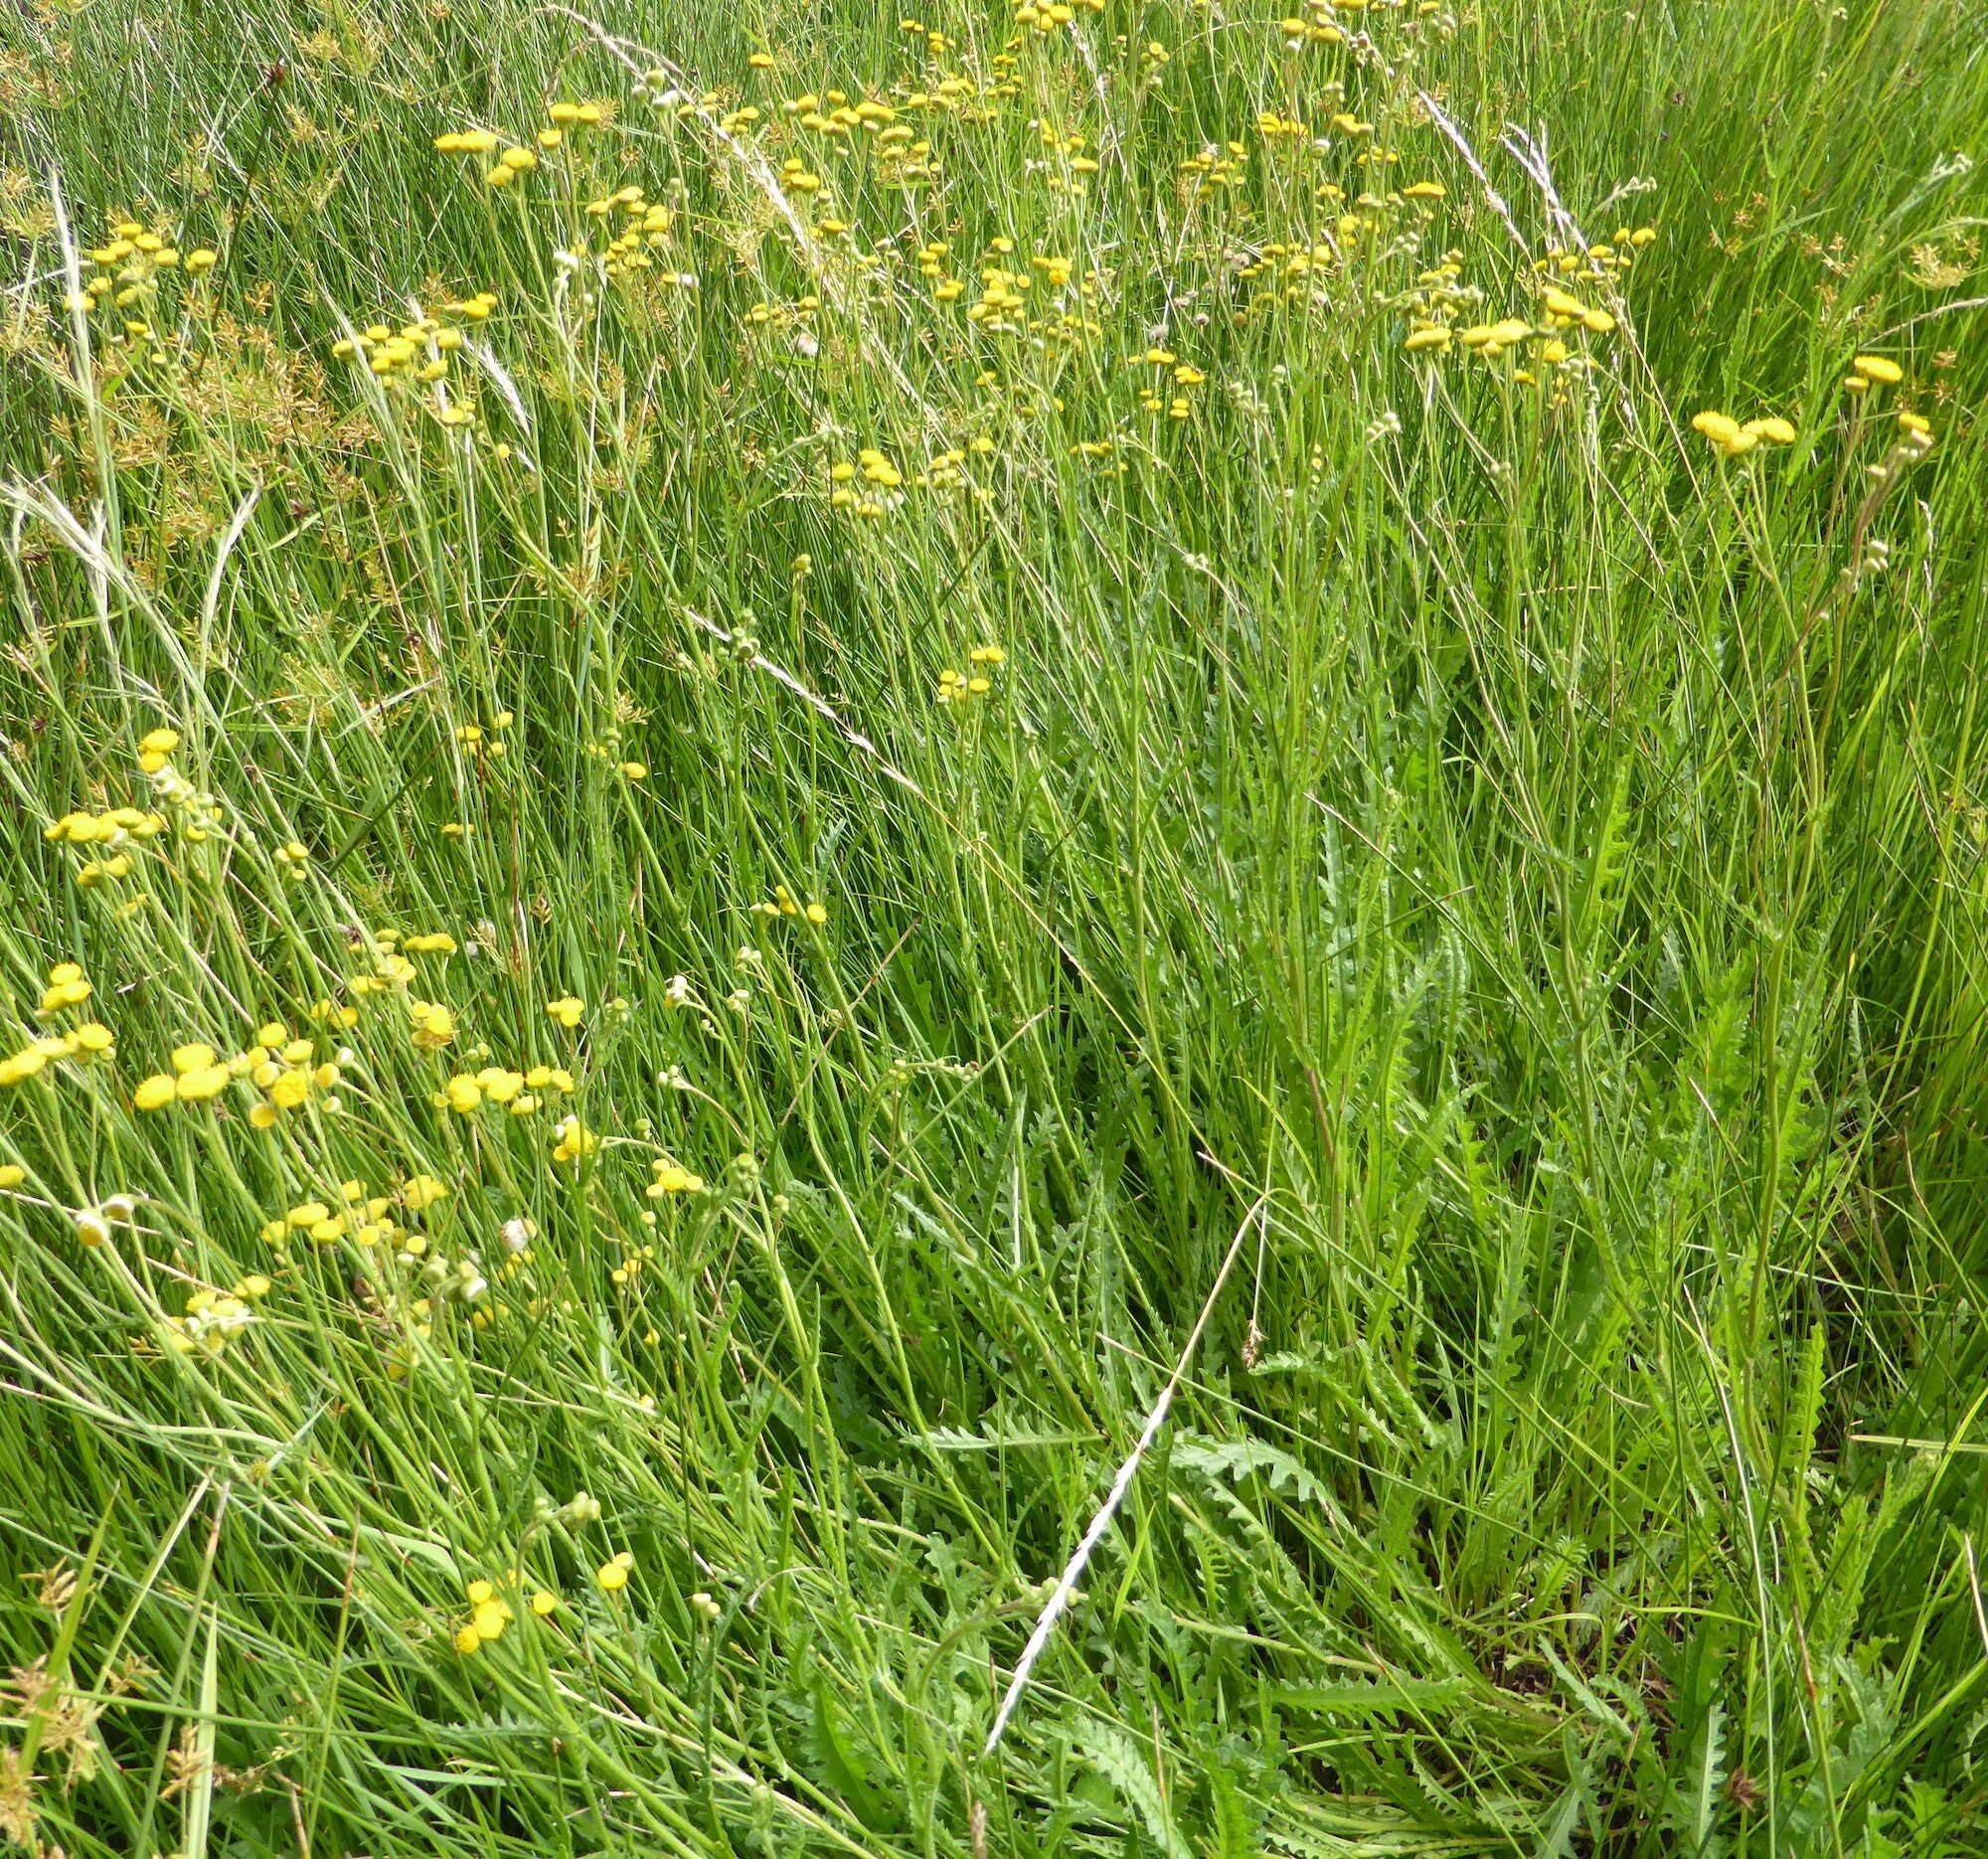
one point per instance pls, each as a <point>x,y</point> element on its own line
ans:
<point>1773,428</point>
<point>156,1092</point>
<point>1725,432</point>
<point>491,1619</point>
<point>1879,368</point>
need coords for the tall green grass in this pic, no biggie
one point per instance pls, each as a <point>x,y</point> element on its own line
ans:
<point>1509,875</point>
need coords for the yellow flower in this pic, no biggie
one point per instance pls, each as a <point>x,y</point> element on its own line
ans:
<point>1773,428</point>
<point>434,1026</point>
<point>468,1640</point>
<point>566,1010</point>
<point>1916,423</point>
<point>1879,368</point>
<point>612,1574</point>
<point>12,1174</point>
<point>544,1602</point>
<point>419,1191</point>
<point>1721,429</point>
<point>154,748</point>
<point>156,1092</point>
<point>491,1619</point>
<point>635,770</point>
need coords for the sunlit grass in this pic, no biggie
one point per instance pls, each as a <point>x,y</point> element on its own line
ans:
<point>727,744</point>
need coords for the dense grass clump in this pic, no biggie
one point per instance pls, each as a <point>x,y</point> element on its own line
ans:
<point>775,775</point>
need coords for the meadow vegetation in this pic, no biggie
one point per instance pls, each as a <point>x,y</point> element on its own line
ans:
<point>740,744</point>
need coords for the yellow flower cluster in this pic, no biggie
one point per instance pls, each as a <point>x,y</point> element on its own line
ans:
<point>841,117</point>
<point>1185,374</point>
<point>1438,302</point>
<point>156,748</point>
<point>672,1179</point>
<point>1216,170</point>
<point>417,353</point>
<point>283,1069</point>
<point>127,273</point>
<point>644,224</point>
<point>476,742</point>
<point>1046,17</point>
<point>956,689</point>
<point>878,471</point>
<point>466,1092</point>
<point>515,158</point>
<point>1731,440</point>
<point>1866,370</point>
<point>432,1026</point>
<point>66,988</point>
<point>350,1212</point>
<point>784,904</point>
<point>574,1141</point>
<point>117,827</point>
<point>1601,262</point>
<point>214,1319</point>
<point>1869,370</point>
<point>1001,300</point>
<point>1315,27</point>
<point>490,1613</point>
